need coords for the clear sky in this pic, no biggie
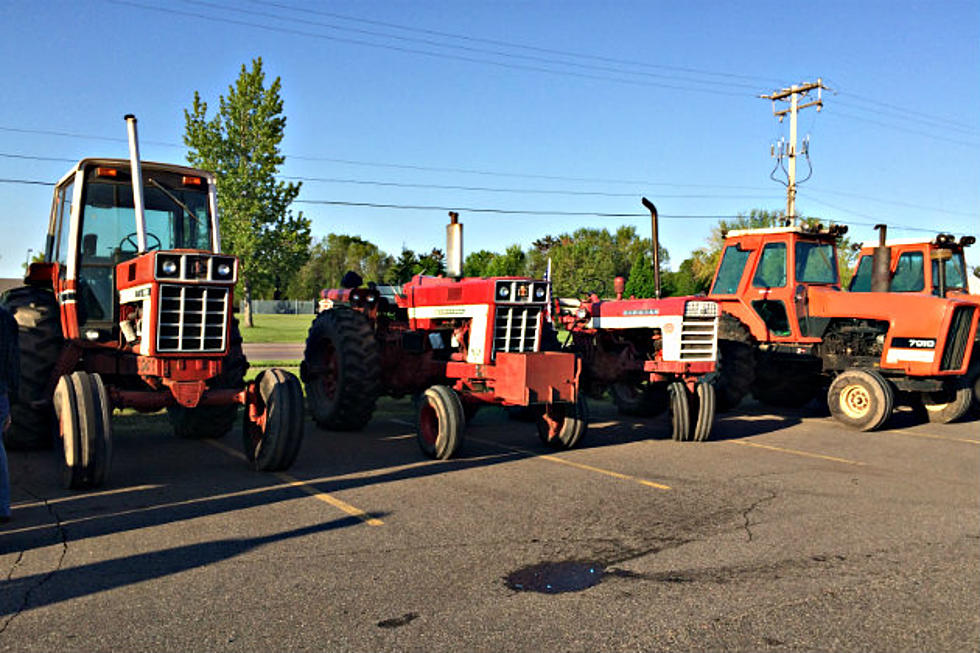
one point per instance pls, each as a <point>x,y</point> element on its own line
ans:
<point>521,106</point>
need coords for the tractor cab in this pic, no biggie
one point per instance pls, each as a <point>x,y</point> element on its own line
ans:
<point>765,275</point>
<point>945,275</point>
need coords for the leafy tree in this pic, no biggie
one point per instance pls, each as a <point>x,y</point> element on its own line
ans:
<point>684,282</point>
<point>408,264</point>
<point>476,263</point>
<point>331,257</point>
<point>432,264</point>
<point>511,263</point>
<point>641,282</point>
<point>704,261</point>
<point>240,143</point>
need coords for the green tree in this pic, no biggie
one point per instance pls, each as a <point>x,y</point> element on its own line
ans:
<point>403,267</point>
<point>331,258</point>
<point>476,263</point>
<point>432,264</point>
<point>240,144</point>
<point>705,260</point>
<point>512,263</point>
<point>641,282</point>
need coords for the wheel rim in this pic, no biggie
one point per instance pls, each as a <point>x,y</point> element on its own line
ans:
<point>428,424</point>
<point>330,370</point>
<point>855,401</point>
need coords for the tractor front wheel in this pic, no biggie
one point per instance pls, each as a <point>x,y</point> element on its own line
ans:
<point>440,422</point>
<point>680,412</point>
<point>861,399</point>
<point>948,406</point>
<point>273,426</point>
<point>82,407</point>
<point>706,402</point>
<point>571,422</point>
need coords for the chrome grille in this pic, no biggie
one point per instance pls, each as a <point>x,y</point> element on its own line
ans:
<point>699,339</point>
<point>515,328</point>
<point>192,319</point>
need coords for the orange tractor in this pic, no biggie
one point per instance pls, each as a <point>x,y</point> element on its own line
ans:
<point>132,308</point>
<point>925,267</point>
<point>788,331</point>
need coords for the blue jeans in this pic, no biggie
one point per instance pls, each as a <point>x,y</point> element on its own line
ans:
<point>4,472</point>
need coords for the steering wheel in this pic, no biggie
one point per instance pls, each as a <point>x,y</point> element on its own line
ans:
<point>592,285</point>
<point>130,239</point>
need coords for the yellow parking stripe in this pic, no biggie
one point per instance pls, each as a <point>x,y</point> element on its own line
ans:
<point>292,481</point>
<point>796,452</point>
<point>570,463</point>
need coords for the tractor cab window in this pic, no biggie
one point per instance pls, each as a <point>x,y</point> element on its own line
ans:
<point>862,278</point>
<point>176,218</point>
<point>908,276</point>
<point>62,223</point>
<point>815,263</point>
<point>955,274</point>
<point>730,270</point>
<point>771,271</point>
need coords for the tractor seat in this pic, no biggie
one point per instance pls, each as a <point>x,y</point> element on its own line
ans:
<point>569,302</point>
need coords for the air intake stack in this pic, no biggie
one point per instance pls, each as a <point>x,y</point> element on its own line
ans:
<point>454,246</point>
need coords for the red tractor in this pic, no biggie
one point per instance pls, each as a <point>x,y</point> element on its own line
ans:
<point>132,308</point>
<point>788,330</point>
<point>651,354</point>
<point>905,271</point>
<point>455,343</point>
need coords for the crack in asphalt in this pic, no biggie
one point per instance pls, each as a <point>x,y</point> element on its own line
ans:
<point>746,526</point>
<point>25,602</point>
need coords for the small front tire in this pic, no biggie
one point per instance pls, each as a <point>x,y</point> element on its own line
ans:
<point>680,412</point>
<point>572,423</point>
<point>440,422</point>
<point>272,431</point>
<point>83,411</point>
<point>861,399</point>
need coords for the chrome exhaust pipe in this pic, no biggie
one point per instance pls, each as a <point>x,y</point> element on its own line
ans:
<point>136,172</point>
<point>454,246</point>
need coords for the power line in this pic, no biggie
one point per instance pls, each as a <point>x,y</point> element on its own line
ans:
<point>878,104</point>
<point>442,55</point>
<point>531,48</point>
<point>956,141</point>
<point>470,209</point>
<point>909,205</point>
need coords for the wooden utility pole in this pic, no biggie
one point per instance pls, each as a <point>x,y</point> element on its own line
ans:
<point>793,94</point>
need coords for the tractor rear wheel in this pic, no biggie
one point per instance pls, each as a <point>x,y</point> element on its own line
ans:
<point>706,401</point>
<point>573,423</point>
<point>341,369</point>
<point>680,412</point>
<point>214,421</point>
<point>736,362</point>
<point>440,422</point>
<point>82,406</point>
<point>272,430</point>
<point>861,399</point>
<point>948,406</point>
<point>639,399</point>
<point>41,342</point>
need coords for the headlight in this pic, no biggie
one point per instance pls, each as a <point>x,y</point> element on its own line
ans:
<point>168,267</point>
<point>539,293</point>
<point>700,309</point>
<point>503,291</point>
<point>224,270</point>
<point>582,313</point>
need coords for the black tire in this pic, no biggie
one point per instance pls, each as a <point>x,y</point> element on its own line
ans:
<point>83,411</point>
<point>440,422</point>
<point>39,320</point>
<point>973,376</point>
<point>639,399</point>
<point>736,363</point>
<point>279,399</point>
<point>680,412</point>
<point>573,423</point>
<point>341,369</point>
<point>203,422</point>
<point>861,399</point>
<point>706,401</point>
<point>948,406</point>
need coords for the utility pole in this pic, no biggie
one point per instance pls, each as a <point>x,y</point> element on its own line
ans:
<point>793,94</point>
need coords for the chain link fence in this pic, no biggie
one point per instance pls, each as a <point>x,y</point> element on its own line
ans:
<point>281,306</point>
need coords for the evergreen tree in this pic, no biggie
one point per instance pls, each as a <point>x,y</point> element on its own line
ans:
<point>240,144</point>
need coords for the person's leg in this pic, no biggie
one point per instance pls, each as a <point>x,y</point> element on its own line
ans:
<point>4,472</point>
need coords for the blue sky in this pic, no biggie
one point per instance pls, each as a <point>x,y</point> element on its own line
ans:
<point>394,101</point>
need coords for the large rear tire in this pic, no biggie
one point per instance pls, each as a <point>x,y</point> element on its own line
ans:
<point>82,406</point>
<point>440,422</point>
<point>639,399</point>
<point>341,369</point>
<point>861,399</point>
<point>736,363</point>
<point>272,439</point>
<point>948,406</point>
<point>39,320</point>
<point>214,421</point>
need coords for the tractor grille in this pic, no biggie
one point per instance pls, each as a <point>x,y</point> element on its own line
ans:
<point>192,319</point>
<point>958,338</point>
<point>699,338</point>
<point>515,328</point>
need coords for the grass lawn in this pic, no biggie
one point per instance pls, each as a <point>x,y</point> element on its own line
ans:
<point>278,328</point>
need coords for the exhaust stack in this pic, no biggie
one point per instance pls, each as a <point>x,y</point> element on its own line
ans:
<point>136,172</point>
<point>881,262</point>
<point>656,244</point>
<point>454,246</point>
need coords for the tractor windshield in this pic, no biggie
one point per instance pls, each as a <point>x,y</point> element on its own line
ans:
<point>815,262</point>
<point>955,273</point>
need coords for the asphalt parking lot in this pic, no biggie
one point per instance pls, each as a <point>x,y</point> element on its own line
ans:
<point>784,532</point>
